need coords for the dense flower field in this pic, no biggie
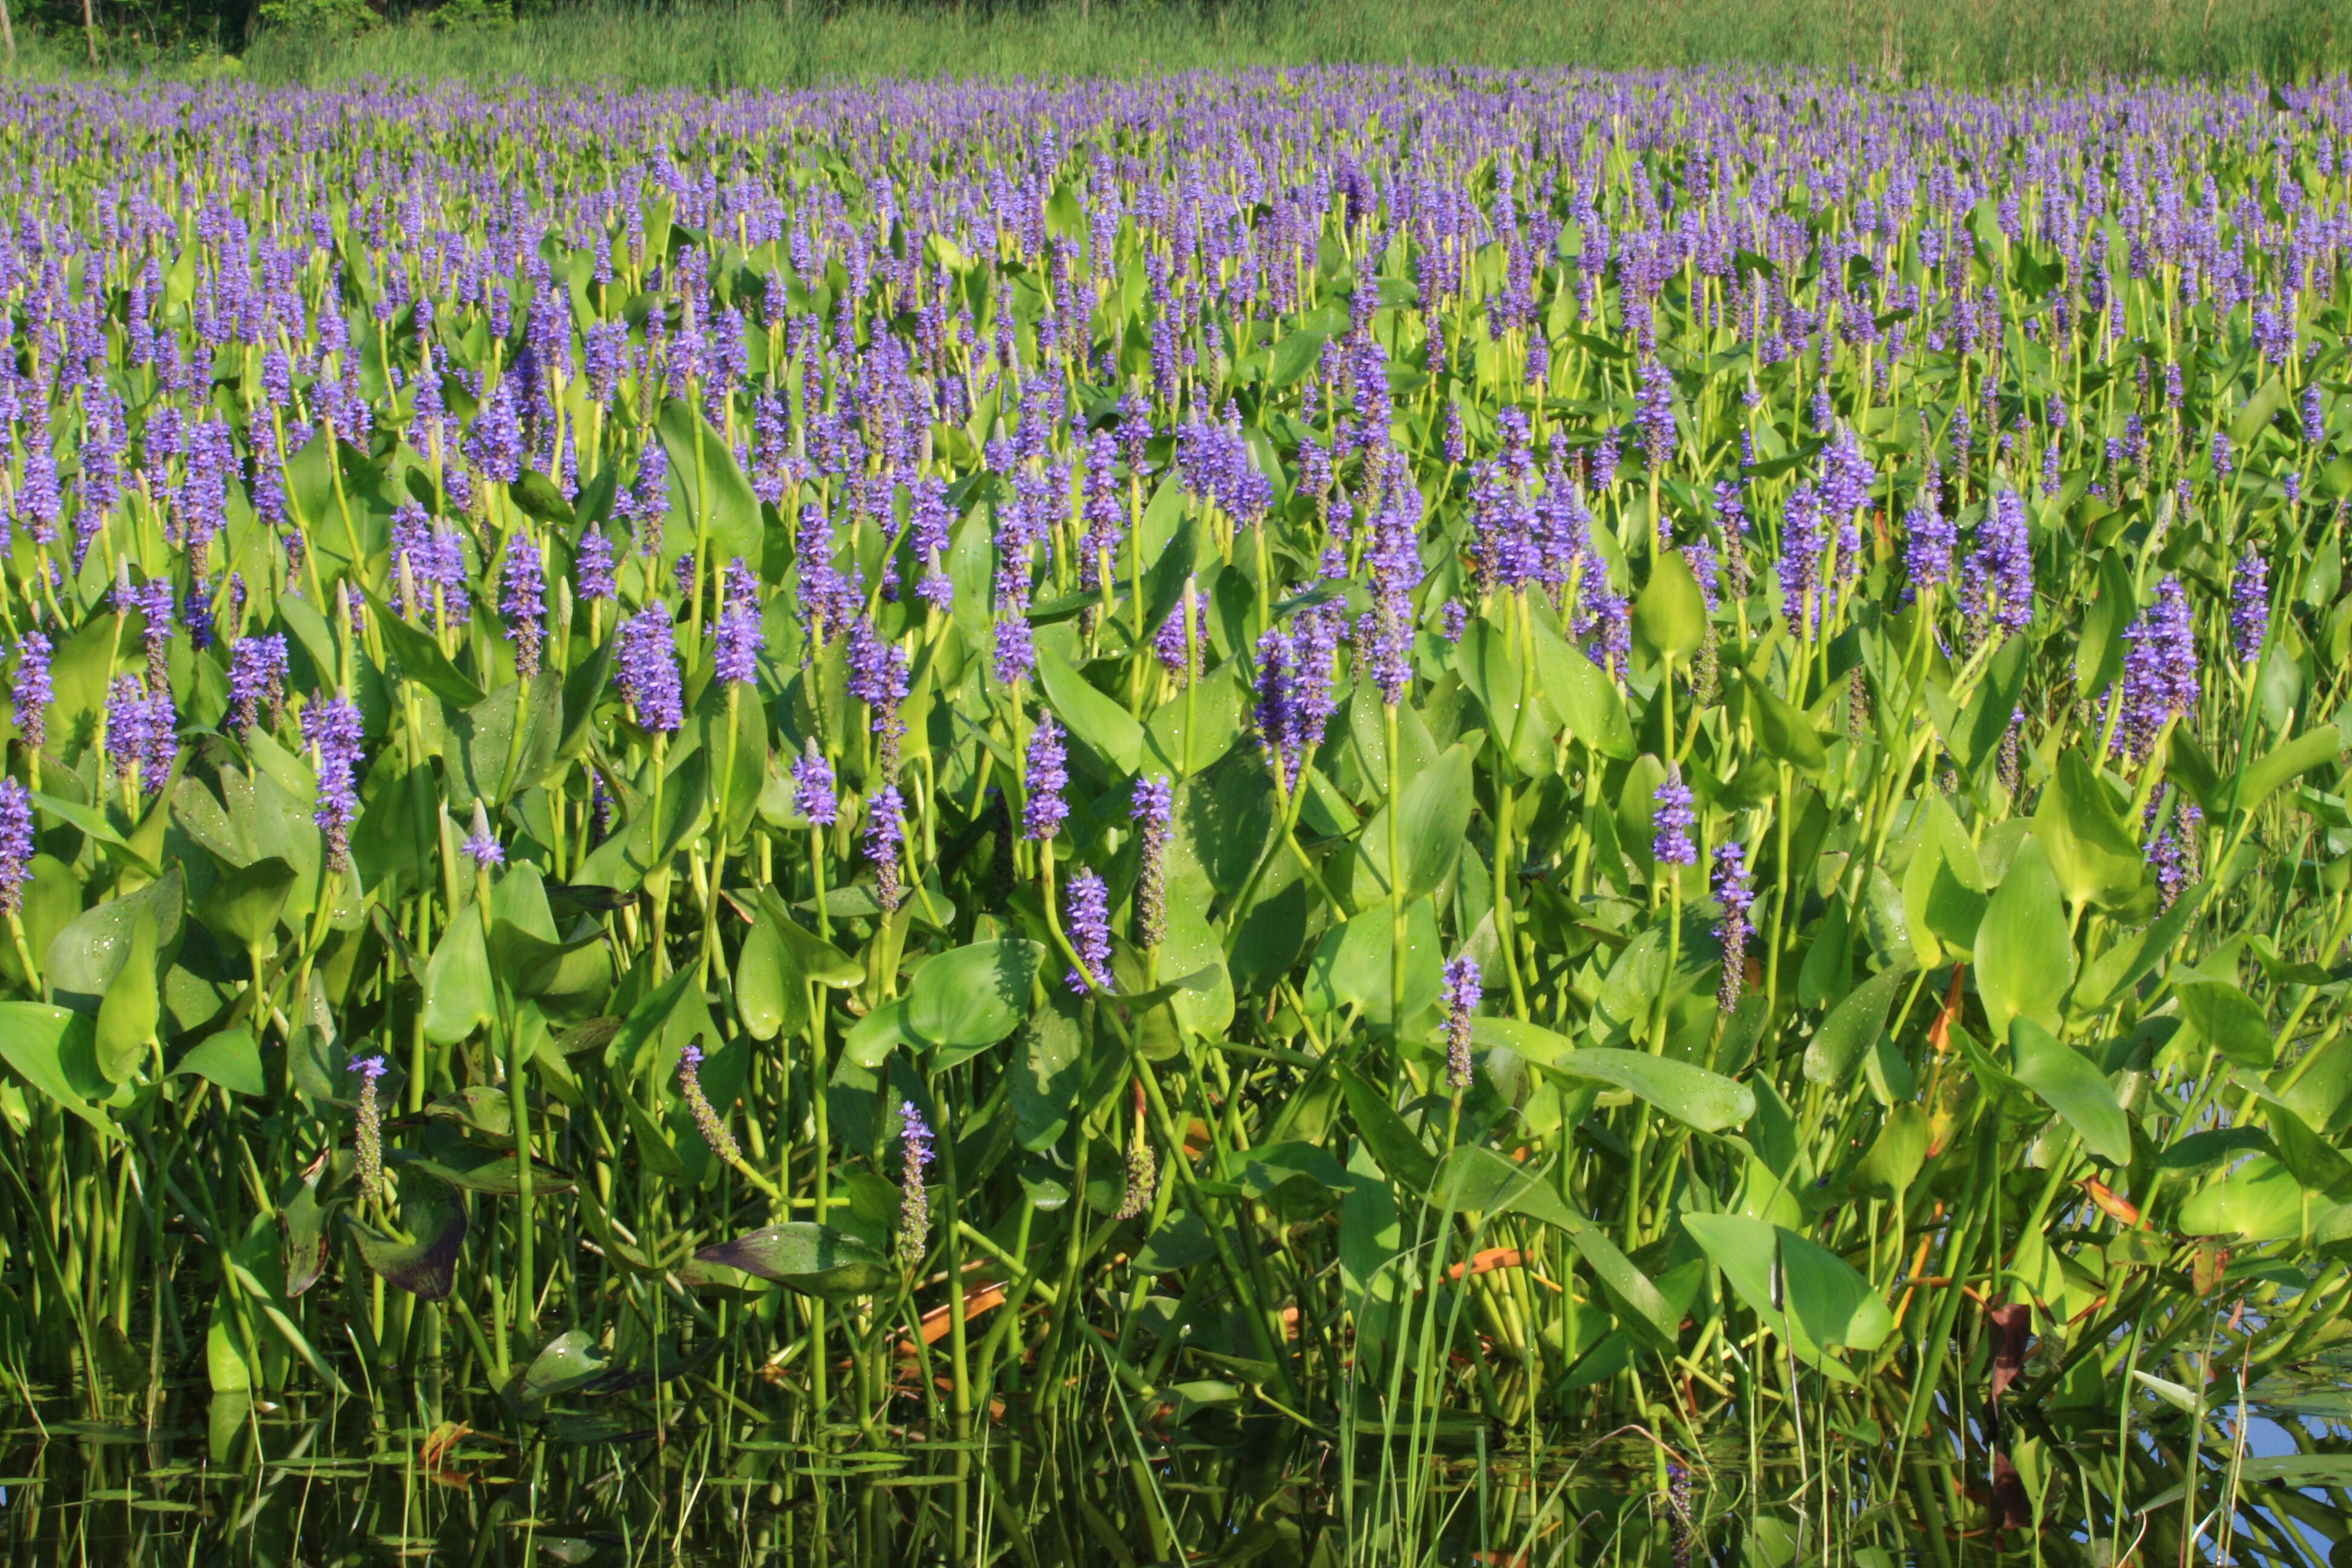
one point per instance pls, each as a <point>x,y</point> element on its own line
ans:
<point>1356,749</point>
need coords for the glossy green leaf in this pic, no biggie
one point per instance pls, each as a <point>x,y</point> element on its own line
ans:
<point>1670,613</point>
<point>229,1058</point>
<point>2316,748</point>
<point>2095,858</point>
<point>1892,1163</point>
<point>768,993</point>
<point>1402,1154</point>
<point>129,1012</point>
<point>53,1049</point>
<point>246,904</point>
<point>2025,954</point>
<point>813,1259</point>
<point>1481,1180</point>
<point>2072,1086</point>
<point>974,996</point>
<point>458,986</point>
<point>1435,816</point>
<point>1587,701</point>
<point>2227,1019</point>
<point>1852,1028</point>
<point>704,472</point>
<point>1684,1090</point>
<point>1092,717</point>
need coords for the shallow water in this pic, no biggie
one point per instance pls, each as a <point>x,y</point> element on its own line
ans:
<point>644,1476</point>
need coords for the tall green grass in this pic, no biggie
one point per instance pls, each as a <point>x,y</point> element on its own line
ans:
<point>1972,42</point>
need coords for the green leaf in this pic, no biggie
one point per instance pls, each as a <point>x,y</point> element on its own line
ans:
<point>872,1038</point>
<point>128,1012</point>
<point>572,1360</point>
<point>2259,1201</point>
<point>1829,1303</point>
<point>230,1060</point>
<point>2259,410</point>
<point>1479,1179</point>
<point>1943,888</point>
<point>1298,353</point>
<point>1684,1090</point>
<point>1530,1042</point>
<point>1180,1242</point>
<point>2315,1162</point>
<point>52,1049</point>
<point>421,660</point>
<point>458,986</point>
<point>538,496</point>
<point>1782,730</point>
<point>1829,1297</point>
<point>1852,1028</point>
<point>245,905</point>
<point>1351,964</point>
<point>768,993</point>
<point>2025,955</point>
<point>818,961</point>
<point>718,497</point>
<point>426,1265</point>
<point>2070,1085</point>
<point>2297,757</point>
<point>86,955</point>
<point>1403,1156</point>
<point>88,818</point>
<point>1433,822</point>
<point>2108,978</point>
<point>1092,717</point>
<point>1670,615</point>
<point>2094,856</point>
<point>1485,658</point>
<point>1893,1160</point>
<point>1586,700</point>
<point>974,995</point>
<point>2099,650</point>
<point>1197,726</point>
<point>2227,1019</point>
<point>813,1259</point>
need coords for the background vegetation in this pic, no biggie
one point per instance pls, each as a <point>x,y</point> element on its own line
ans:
<point>790,42</point>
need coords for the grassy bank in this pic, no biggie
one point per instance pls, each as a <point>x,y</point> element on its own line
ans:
<point>726,46</point>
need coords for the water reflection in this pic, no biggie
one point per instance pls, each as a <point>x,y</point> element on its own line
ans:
<point>687,1472</point>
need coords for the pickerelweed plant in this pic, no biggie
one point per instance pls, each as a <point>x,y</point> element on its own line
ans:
<point>1361,749</point>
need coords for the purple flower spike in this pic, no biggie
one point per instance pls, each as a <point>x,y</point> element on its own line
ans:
<point>2250,605</point>
<point>522,599</point>
<point>482,846</point>
<point>647,673</point>
<point>1738,899</point>
<point>370,1138</point>
<point>1045,778</point>
<point>2159,670</point>
<point>1673,821</point>
<point>707,1118</point>
<point>1153,809</point>
<point>1462,991</point>
<point>886,834</point>
<point>16,843</point>
<point>29,691</point>
<point>1090,929</point>
<point>914,1202</point>
<point>257,680</point>
<point>332,729</point>
<point>814,795</point>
